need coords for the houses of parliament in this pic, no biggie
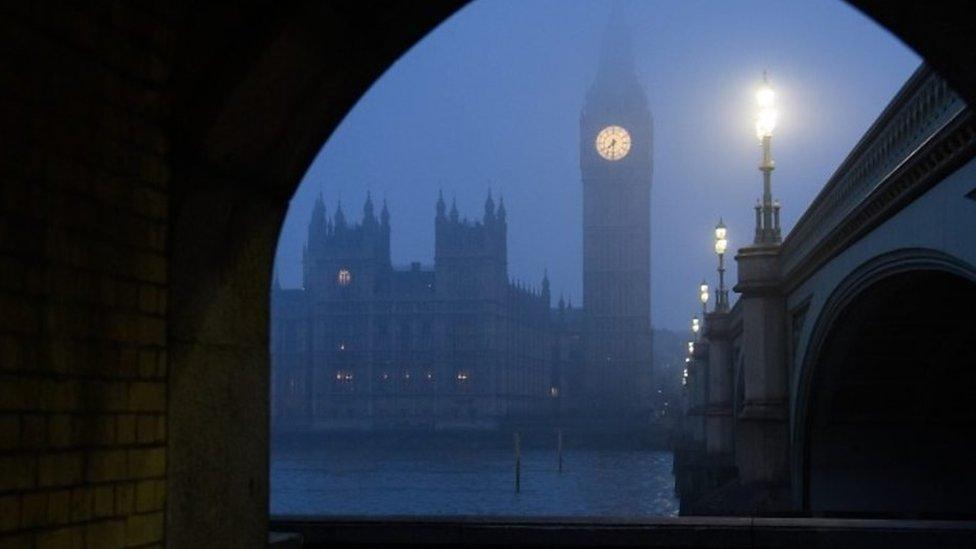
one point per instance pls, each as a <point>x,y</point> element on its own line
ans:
<point>364,345</point>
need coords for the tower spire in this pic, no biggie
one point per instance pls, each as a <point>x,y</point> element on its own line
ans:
<point>617,47</point>
<point>340,218</point>
<point>316,225</point>
<point>368,217</point>
<point>489,209</point>
<point>440,204</point>
<point>454,210</point>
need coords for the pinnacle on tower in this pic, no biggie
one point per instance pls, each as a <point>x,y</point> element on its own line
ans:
<point>489,209</point>
<point>317,225</point>
<point>617,47</point>
<point>340,218</point>
<point>454,210</point>
<point>440,204</point>
<point>501,208</point>
<point>385,215</point>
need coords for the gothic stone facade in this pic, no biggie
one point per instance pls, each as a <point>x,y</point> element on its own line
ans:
<point>368,346</point>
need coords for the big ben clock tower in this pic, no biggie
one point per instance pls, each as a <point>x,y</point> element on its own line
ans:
<point>616,166</point>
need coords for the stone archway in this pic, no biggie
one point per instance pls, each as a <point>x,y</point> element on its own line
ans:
<point>886,399</point>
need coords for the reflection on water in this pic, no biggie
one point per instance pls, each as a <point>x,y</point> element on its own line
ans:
<point>450,479</point>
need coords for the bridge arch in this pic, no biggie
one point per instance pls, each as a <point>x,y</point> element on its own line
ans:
<point>884,401</point>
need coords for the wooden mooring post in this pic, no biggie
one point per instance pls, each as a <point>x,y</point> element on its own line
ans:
<point>518,463</point>
<point>559,450</point>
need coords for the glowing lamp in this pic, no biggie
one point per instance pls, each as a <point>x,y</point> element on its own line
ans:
<point>766,118</point>
<point>721,240</point>
<point>704,292</point>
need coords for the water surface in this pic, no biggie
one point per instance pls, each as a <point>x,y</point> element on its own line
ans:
<point>455,479</point>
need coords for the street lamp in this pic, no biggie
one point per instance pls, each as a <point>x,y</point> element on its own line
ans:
<point>695,325</point>
<point>721,243</point>
<point>767,213</point>
<point>703,295</point>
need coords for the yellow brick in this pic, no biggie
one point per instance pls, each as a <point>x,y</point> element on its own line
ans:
<point>141,529</point>
<point>33,431</point>
<point>61,469</point>
<point>161,428</point>
<point>147,463</point>
<point>147,298</point>
<point>9,431</point>
<point>63,395</point>
<point>18,393</point>
<point>16,541</point>
<point>102,430</point>
<point>124,499</point>
<point>104,504</point>
<point>9,513</point>
<point>108,534</point>
<point>33,509</point>
<point>126,429</point>
<point>147,396</point>
<point>107,465</point>
<point>62,430</point>
<point>150,495</point>
<point>152,330</point>
<point>65,538</point>
<point>147,363</point>
<point>147,429</point>
<point>17,472</point>
<point>11,352</point>
<point>81,504</point>
<point>109,396</point>
<point>59,507</point>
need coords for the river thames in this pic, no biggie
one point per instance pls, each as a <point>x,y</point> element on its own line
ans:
<point>444,479</point>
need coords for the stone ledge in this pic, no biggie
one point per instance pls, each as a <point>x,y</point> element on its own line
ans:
<point>686,532</point>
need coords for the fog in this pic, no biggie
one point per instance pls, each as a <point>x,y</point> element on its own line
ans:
<point>405,384</point>
<point>491,99</point>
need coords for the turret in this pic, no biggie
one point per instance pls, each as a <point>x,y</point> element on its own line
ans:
<point>385,217</point>
<point>316,226</point>
<point>489,218</point>
<point>501,209</point>
<point>454,210</point>
<point>440,205</point>
<point>369,220</point>
<point>340,218</point>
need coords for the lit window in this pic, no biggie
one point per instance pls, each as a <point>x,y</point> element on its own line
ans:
<point>344,277</point>
<point>554,392</point>
<point>343,376</point>
<point>462,376</point>
<point>429,376</point>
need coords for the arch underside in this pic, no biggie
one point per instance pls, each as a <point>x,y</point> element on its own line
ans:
<point>891,408</point>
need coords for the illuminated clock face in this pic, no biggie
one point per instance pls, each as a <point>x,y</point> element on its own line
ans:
<point>613,143</point>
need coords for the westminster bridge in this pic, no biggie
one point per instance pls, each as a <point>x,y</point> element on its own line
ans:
<point>841,381</point>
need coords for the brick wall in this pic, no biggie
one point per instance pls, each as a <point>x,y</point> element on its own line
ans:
<point>83,274</point>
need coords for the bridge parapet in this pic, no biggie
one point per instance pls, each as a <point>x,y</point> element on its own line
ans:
<point>923,107</point>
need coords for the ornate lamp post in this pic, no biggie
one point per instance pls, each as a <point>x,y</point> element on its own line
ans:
<point>703,295</point>
<point>695,326</point>
<point>767,213</point>
<point>721,243</point>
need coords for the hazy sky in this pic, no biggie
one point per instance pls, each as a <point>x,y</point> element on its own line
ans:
<point>492,98</point>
